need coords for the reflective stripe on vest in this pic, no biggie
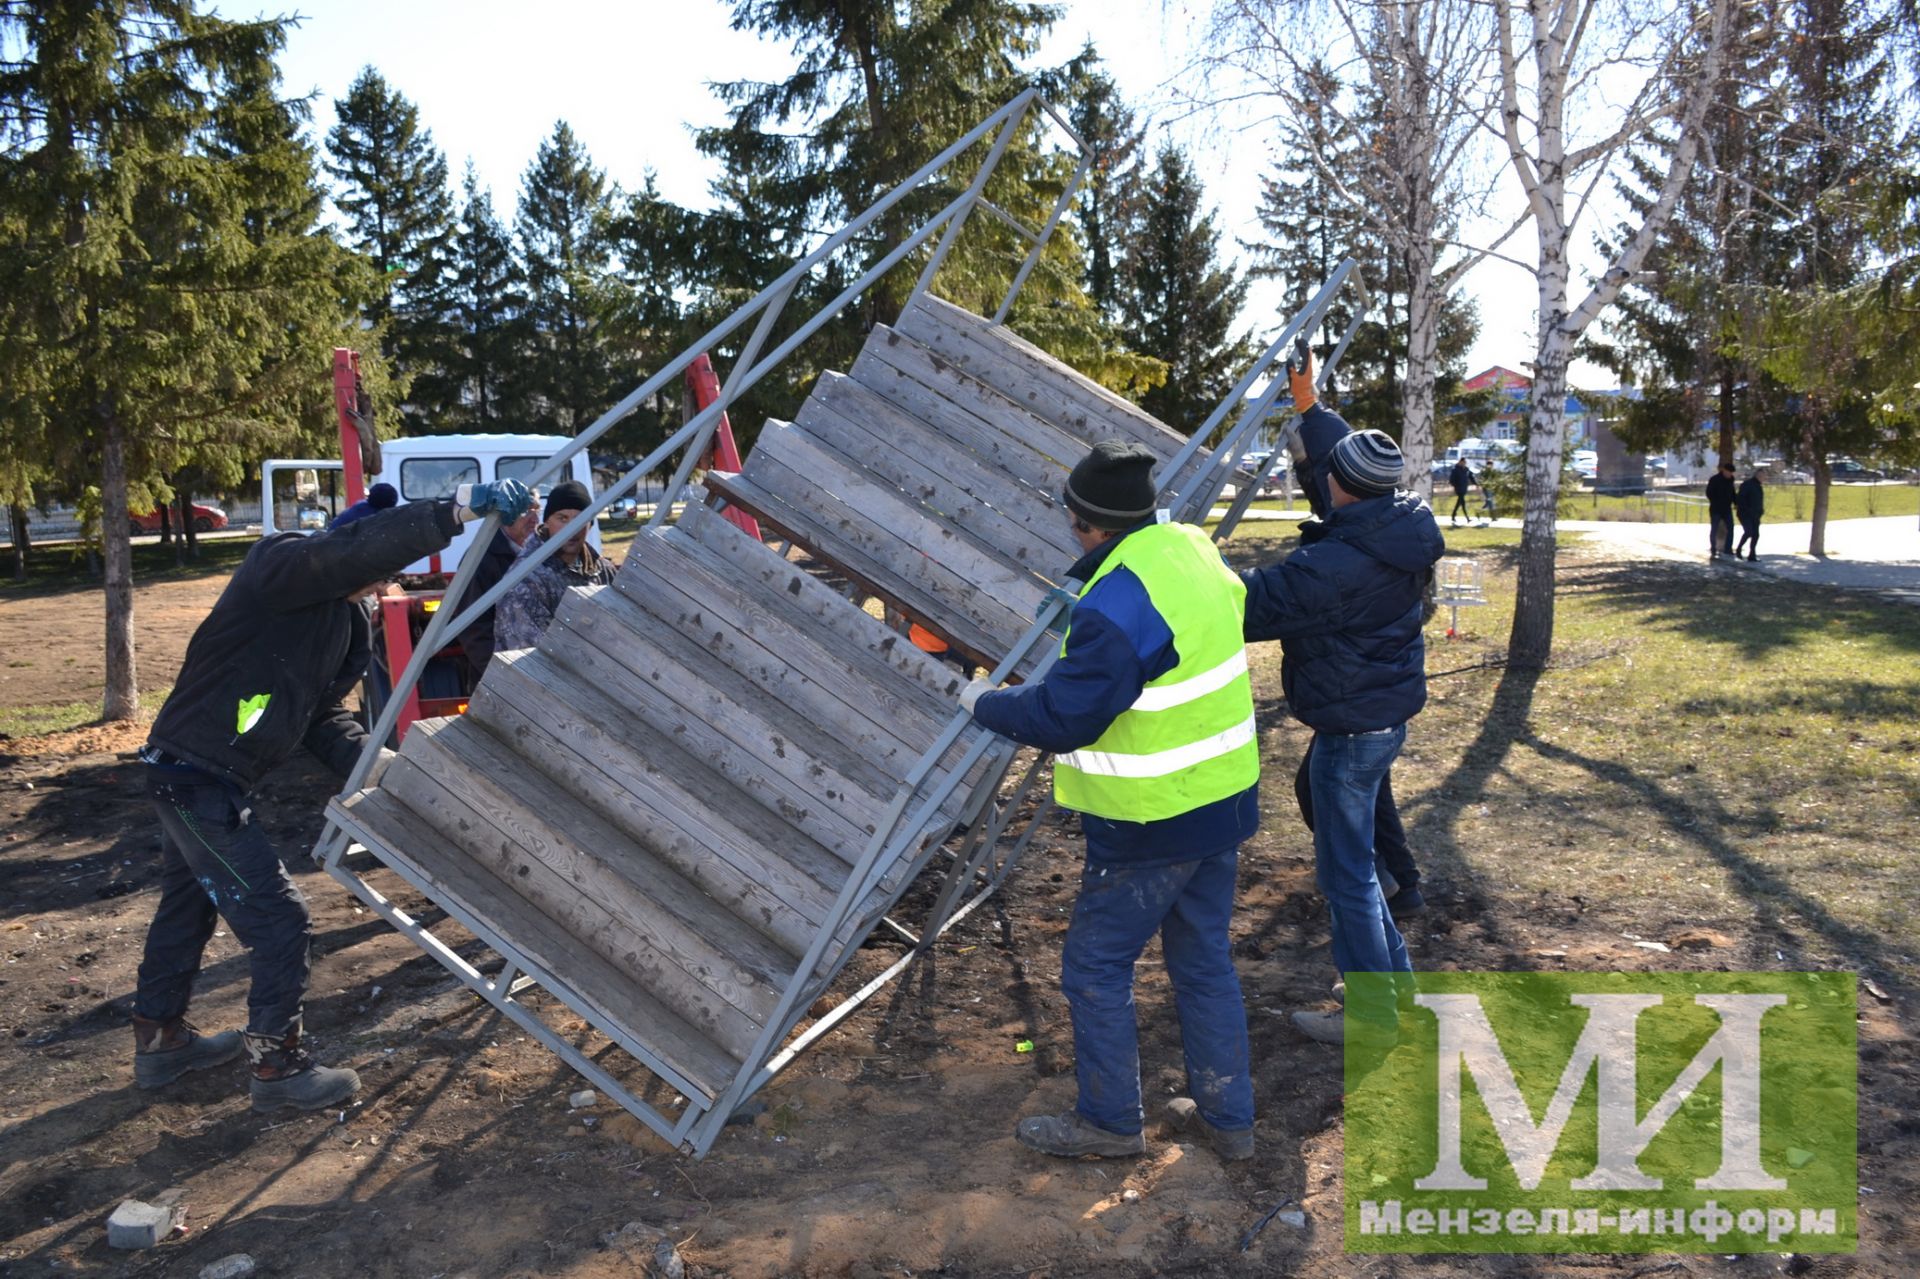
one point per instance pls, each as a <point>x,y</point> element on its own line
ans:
<point>1188,739</point>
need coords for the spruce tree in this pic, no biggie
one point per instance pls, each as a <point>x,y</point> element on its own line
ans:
<point>167,301</point>
<point>562,227</point>
<point>1180,303</point>
<point>392,192</point>
<point>486,314</point>
<point>1109,202</point>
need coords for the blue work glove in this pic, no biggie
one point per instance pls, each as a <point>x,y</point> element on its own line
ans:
<point>510,498</point>
<point>1058,595</point>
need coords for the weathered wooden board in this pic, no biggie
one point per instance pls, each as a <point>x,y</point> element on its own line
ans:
<point>1019,522</point>
<point>726,842</point>
<point>1029,376</point>
<point>950,399</point>
<point>909,542</point>
<point>466,890</point>
<point>721,544</point>
<point>875,577</point>
<point>716,948</point>
<point>608,928</point>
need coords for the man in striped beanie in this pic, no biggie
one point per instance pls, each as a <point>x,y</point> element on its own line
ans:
<point>1346,608</point>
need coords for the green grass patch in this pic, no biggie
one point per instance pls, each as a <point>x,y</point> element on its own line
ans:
<point>1786,503</point>
<point>35,721</point>
<point>53,569</point>
<point>1734,753</point>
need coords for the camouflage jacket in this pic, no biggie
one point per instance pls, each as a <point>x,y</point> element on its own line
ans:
<point>524,613</point>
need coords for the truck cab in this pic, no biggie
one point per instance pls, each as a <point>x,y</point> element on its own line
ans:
<point>304,495</point>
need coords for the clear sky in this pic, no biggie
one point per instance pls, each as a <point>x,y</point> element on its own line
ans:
<point>492,76</point>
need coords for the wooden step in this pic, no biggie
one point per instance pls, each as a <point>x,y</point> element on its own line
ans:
<point>871,558</point>
<point>462,886</point>
<point>707,827</point>
<point>1029,376</point>
<point>1026,525</point>
<point>616,924</point>
<point>785,590</point>
<point>953,402</point>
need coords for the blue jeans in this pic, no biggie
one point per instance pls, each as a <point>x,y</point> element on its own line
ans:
<point>1345,777</point>
<point>215,860</point>
<point>1118,911</point>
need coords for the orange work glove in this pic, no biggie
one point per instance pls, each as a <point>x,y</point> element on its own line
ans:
<point>1300,376</point>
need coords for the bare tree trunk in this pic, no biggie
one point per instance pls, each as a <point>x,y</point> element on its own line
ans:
<point>1530,643</point>
<point>123,690</point>
<point>166,523</point>
<point>1417,390</point>
<point>1822,490</point>
<point>22,543</point>
<point>1726,412</point>
<point>189,535</point>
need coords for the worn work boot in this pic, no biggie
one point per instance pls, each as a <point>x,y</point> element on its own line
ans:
<point>1321,1027</point>
<point>1407,901</point>
<point>1183,1116</point>
<point>165,1050</point>
<point>1070,1137</point>
<point>286,1078</point>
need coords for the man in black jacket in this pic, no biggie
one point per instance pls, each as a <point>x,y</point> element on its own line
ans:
<point>1347,609</point>
<point>476,641</point>
<point>1461,477</point>
<point>1720,512</point>
<point>265,673</point>
<point>1750,503</point>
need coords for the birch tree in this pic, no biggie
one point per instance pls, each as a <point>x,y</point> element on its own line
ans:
<point>1554,56</point>
<point>1417,75</point>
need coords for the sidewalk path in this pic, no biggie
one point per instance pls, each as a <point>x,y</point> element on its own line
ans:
<point>1880,554</point>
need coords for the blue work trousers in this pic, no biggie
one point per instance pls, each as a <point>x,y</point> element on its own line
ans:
<point>217,862</point>
<point>1119,909</point>
<point>1345,776</point>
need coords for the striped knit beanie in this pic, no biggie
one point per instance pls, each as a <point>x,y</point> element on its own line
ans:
<point>1368,463</point>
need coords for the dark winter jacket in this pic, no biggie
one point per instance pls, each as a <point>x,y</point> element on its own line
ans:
<point>1117,643</point>
<point>1461,478</point>
<point>1720,492</point>
<point>477,639</point>
<point>525,612</point>
<point>1347,610</point>
<point>1751,500</point>
<point>1320,429</point>
<point>268,668</point>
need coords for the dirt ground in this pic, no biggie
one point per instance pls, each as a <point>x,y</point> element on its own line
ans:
<point>52,644</point>
<point>886,1150</point>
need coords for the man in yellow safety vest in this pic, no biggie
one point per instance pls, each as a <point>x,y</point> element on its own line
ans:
<point>1149,713</point>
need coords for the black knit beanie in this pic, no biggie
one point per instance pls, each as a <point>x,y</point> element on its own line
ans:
<point>1112,487</point>
<point>567,495</point>
<point>382,496</point>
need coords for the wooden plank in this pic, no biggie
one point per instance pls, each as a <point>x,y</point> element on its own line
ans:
<point>600,925</point>
<point>850,560</point>
<point>909,541</point>
<point>702,824</point>
<point>784,587</point>
<point>1031,377</point>
<point>847,700</point>
<point>1019,522</point>
<point>602,993</point>
<point>739,732</point>
<point>693,931</point>
<point>947,397</point>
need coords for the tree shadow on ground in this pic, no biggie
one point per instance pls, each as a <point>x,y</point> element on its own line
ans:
<point>1753,618</point>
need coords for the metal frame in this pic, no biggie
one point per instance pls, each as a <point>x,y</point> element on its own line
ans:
<point>903,831</point>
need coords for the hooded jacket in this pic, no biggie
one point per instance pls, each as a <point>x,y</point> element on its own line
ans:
<point>1347,609</point>
<point>1751,500</point>
<point>267,670</point>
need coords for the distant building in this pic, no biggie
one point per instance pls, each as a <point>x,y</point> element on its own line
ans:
<point>1617,468</point>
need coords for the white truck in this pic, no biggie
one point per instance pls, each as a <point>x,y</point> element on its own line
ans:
<point>305,494</point>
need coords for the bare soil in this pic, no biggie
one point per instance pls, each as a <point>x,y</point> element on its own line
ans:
<point>52,644</point>
<point>886,1150</point>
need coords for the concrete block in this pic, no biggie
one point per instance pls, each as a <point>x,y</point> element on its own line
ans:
<point>237,1266</point>
<point>140,1225</point>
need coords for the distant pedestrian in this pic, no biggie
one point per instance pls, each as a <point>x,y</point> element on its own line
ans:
<point>1750,503</point>
<point>1486,501</point>
<point>1461,477</point>
<point>1720,512</point>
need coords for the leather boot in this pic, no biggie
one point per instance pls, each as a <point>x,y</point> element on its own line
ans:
<point>165,1050</point>
<point>286,1078</point>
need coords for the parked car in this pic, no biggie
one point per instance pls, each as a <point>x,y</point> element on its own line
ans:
<point>1846,470</point>
<point>1586,463</point>
<point>206,519</point>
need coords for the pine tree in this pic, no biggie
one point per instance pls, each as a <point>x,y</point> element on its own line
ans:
<point>880,89</point>
<point>166,298</point>
<point>486,313</point>
<point>1109,204</point>
<point>1180,304</point>
<point>393,194</point>
<point>562,228</point>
